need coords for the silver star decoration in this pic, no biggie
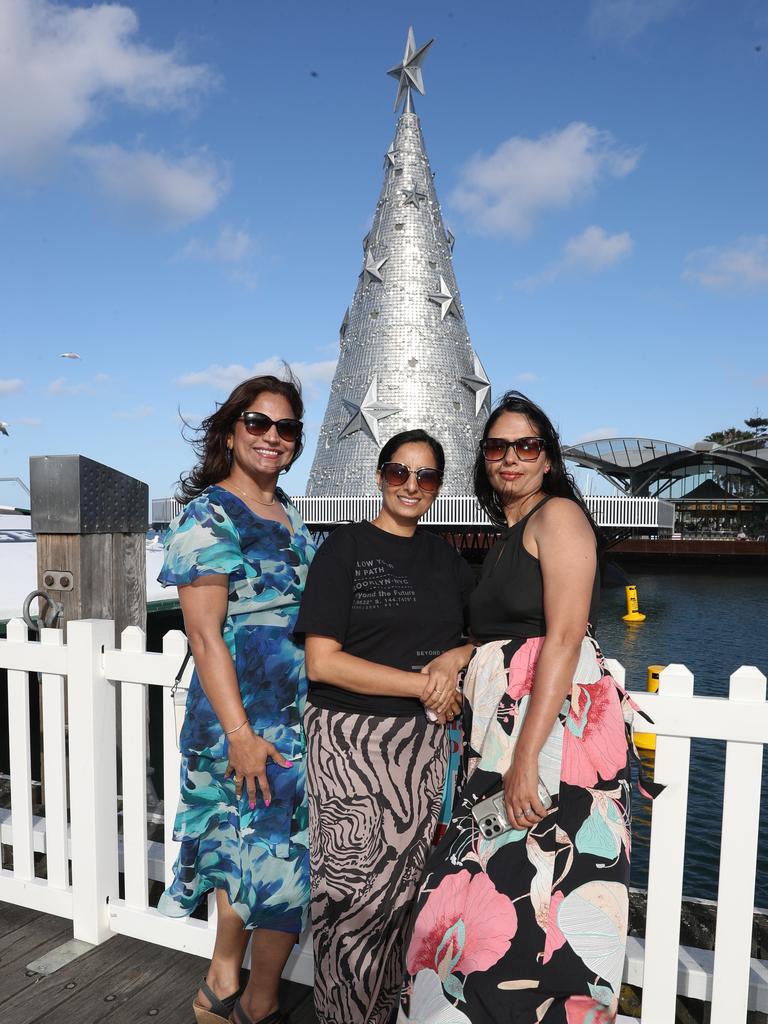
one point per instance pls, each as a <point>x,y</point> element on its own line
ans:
<point>366,414</point>
<point>450,238</point>
<point>478,383</point>
<point>413,197</point>
<point>344,325</point>
<point>445,300</point>
<point>365,242</point>
<point>408,72</point>
<point>372,268</point>
<point>389,156</point>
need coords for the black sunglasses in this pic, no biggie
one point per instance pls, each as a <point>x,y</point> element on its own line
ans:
<point>257,423</point>
<point>527,449</point>
<point>395,474</point>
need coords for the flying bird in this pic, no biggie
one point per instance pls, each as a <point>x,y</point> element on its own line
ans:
<point>4,428</point>
<point>68,355</point>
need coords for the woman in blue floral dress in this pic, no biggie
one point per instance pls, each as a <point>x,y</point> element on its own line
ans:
<point>239,555</point>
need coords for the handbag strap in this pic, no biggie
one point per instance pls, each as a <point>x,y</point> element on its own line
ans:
<point>180,673</point>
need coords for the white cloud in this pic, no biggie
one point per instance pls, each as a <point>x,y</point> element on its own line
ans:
<point>61,386</point>
<point>527,378</point>
<point>596,435</point>
<point>623,19</point>
<point>231,246</point>
<point>63,64</point>
<point>174,191</point>
<point>740,267</point>
<point>591,251</point>
<point>141,412</point>
<point>761,381</point>
<point>10,385</point>
<point>29,421</point>
<point>314,377</point>
<point>504,193</point>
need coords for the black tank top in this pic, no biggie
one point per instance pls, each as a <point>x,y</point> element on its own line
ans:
<point>508,601</point>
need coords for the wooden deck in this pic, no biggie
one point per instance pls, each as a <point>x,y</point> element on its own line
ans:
<point>122,981</point>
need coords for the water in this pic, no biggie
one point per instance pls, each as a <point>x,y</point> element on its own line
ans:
<point>713,622</point>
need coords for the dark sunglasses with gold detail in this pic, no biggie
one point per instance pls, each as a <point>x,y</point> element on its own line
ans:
<point>527,449</point>
<point>257,424</point>
<point>395,474</point>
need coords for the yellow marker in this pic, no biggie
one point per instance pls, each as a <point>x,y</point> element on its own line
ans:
<point>633,615</point>
<point>647,740</point>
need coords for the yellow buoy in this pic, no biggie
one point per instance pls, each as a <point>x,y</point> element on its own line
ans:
<point>647,740</point>
<point>633,615</point>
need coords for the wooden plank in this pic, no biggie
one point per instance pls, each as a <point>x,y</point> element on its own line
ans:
<point>55,770</point>
<point>50,998</point>
<point>738,860</point>
<point>665,862</point>
<point>167,998</point>
<point>129,580</point>
<point>38,937</point>
<point>13,917</point>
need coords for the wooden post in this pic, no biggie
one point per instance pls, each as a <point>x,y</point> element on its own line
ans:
<point>91,524</point>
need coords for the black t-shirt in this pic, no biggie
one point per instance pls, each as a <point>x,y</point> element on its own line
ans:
<point>396,601</point>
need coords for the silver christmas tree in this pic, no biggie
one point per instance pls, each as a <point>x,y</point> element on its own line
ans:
<point>405,357</point>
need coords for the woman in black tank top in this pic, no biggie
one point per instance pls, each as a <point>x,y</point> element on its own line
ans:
<point>531,925</point>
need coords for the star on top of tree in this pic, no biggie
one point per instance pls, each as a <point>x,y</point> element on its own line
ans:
<point>408,71</point>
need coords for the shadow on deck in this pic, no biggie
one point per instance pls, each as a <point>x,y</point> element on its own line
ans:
<point>123,980</point>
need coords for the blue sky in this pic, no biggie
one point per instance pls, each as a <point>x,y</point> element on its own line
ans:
<point>184,187</point>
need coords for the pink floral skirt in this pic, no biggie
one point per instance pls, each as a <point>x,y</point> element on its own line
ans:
<point>529,927</point>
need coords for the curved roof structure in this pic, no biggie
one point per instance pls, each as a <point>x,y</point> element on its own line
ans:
<point>644,466</point>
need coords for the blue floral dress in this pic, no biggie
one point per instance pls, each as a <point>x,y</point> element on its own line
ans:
<point>260,856</point>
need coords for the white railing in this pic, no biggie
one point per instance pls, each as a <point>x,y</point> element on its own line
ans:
<point>463,510</point>
<point>459,510</point>
<point>96,845</point>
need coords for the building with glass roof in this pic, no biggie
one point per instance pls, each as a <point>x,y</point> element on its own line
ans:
<point>716,489</point>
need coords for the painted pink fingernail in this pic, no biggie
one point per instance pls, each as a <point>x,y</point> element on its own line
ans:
<point>267,802</point>
<point>252,806</point>
<point>288,764</point>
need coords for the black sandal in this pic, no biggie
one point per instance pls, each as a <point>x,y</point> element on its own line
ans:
<point>219,1010</point>
<point>239,1016</point>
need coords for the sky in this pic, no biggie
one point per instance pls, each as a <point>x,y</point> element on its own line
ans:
<point>184,187</point>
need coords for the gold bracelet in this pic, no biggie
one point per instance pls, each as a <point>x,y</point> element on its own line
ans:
<point>228,732</point>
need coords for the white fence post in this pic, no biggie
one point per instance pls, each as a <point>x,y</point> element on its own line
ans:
<point>174,642</point>
<point>133,697</point>
<point>92,778</point>
<point>53,716</point>
<point>738,861</point>
<point>19,745</point>
<point>665,862</point>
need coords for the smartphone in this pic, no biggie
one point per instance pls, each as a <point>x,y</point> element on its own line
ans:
<point>491,814</point>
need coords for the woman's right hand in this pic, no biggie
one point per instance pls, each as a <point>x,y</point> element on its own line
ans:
<point>248,756</point>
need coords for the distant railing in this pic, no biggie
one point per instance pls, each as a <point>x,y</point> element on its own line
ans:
<point>651,514</point>
<point>92,841</point>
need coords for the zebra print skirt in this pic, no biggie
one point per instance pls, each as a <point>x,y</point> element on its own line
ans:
<point>374,785</point>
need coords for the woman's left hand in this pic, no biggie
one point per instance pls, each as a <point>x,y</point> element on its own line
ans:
<point>521,793</point>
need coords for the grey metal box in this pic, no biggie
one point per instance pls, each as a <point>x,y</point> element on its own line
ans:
<point>73,494</point>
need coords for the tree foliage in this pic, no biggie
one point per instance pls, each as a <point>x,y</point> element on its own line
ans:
<point>757,431</point>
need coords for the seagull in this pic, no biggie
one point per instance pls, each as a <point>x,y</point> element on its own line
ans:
<point>68,355</point>
<point>4,428</point>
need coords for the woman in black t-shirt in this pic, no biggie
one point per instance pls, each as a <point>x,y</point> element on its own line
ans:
<point>383,613</point>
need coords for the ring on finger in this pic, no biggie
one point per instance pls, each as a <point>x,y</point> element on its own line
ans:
<point>528,812</point>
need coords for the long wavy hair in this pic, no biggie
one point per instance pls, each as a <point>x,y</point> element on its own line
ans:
<point>557,481</point>
<point>209,441</point>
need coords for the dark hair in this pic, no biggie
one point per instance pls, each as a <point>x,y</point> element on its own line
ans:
<point>557,481</point>
<point>412,437</point>
<point>210,442</point>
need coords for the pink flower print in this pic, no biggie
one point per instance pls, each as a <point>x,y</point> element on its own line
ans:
<point>522,668</point>
<point>585,1010</point>
<point>555,938</point>
<point>594,739</point>
<point>465,926</point>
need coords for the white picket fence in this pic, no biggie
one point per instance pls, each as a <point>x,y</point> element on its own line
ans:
<point>81,717</point>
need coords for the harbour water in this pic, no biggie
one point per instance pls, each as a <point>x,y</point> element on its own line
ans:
<point>713,622</point>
